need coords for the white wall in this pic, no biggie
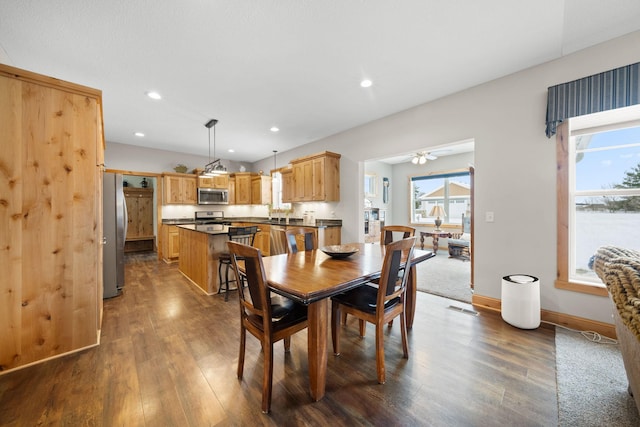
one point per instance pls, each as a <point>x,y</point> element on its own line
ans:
<point>515,169</point>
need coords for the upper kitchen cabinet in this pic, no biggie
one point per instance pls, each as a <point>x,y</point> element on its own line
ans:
<point>316,178</point>
<point>242,188</point>
<point>232,190</point>
<point>50,217</point>
<point>219,182</point>
<point>287,184</point>
<point>179,188</point>
<point>251,188</point>
<point>260,190</point>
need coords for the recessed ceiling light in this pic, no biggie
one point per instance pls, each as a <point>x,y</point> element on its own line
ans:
<point>366,83</point>
<point>231,150</point>
<point>139,134</point>
<point>154,95</point>
<point>274,129</point>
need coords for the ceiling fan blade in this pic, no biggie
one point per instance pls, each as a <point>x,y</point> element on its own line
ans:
<point>430,156</point>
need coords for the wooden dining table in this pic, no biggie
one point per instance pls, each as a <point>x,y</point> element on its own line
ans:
<point>312,277</point>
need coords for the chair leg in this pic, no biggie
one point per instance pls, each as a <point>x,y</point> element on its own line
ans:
<point>344,318</point>
<point>267,377</point>
<point>287,344</point>
<point>380,353</point>
<point>403,332</point>
<point>335,327</point>
<point>243,337</point>
<point>220,277</point>
<point>363,327</point>
<point>226,283</point>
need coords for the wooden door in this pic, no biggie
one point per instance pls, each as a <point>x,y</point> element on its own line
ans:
<point>50,218</point>
<point>221,181</point>
<point>287,186</point>
<point>243,189</point>
<point>172,192</point>
<point>318,183</point>
<point>260,190</point>
<point>205,182</point>
<point>189,190</point>
<point>174,243</point>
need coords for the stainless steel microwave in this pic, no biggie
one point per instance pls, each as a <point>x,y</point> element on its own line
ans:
<point>213,196</point>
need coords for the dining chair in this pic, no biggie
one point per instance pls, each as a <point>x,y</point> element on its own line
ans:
<point>244,235</point>
<point>297,236</point>
<point>387,235</point>
<point>378,304</point>
<point>269,319</point>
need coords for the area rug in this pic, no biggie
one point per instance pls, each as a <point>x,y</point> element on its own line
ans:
<point>592,383</point>
<point>445,277</point>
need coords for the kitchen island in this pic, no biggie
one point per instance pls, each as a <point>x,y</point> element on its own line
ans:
<point>200,249</point>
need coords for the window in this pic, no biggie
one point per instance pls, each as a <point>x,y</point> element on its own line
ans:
<point>277,205</point>
<point>370,185</point>
<point>598,195</point>
<point>449,190</point>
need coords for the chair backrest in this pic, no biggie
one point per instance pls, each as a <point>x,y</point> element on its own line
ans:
<point>296,236</point>
<point>387,233</point>
<point>244,235</point>
<point>260,304</point>
<point>394,275</point>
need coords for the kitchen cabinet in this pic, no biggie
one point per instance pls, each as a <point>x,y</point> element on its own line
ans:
<point>262,239</point>
<point>260,190</point>
<point>140,235</point>
<point>170,243</point>
<point>52,161</point>
<point>316,178</point>
<point>243,188</point>
<point>232,190</point>
<point>219,181</point>
<point>251,188</point>
<point>179,188</point>
<point>287,185</point>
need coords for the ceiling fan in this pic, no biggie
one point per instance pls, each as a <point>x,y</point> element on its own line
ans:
<point>421,157</point>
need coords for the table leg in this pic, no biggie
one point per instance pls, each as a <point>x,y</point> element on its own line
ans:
<point>318,319</point>
<point>410,296</point>
<point>421,241</point>
<point>435,243</point>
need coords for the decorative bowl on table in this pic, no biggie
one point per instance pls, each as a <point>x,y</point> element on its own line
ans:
<point>339,251</point>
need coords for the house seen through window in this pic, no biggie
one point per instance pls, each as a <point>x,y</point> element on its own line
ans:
<point>451,191</point>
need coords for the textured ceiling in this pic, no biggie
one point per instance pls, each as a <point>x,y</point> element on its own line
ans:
<point>295,64</point>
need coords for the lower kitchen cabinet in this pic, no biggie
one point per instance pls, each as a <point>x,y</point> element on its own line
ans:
<point>262,239</point>
<point>170,243</point>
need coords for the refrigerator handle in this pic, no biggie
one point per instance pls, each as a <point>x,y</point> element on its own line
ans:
<point>126,221</point>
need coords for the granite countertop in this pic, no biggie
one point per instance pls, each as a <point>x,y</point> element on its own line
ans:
<point>212,229</point>
<point>177,221</point>
<point>294,222</point>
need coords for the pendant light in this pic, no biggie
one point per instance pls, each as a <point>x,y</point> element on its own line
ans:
<point>276,173</point>
<point>213,168</point>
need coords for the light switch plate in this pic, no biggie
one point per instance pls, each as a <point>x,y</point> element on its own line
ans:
<point>489,216</point>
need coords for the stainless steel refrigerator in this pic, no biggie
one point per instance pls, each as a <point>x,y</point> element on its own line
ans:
<point>115,229</point>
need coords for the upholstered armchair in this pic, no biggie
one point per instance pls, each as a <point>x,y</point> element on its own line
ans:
<point>460,244</point>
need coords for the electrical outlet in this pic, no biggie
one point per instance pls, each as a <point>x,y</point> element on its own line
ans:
<point>489,216</point>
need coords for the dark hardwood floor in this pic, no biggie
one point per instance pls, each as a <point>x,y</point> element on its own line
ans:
<point>168,357</point>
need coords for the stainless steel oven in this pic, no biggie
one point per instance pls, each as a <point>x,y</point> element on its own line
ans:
<point>213,196</point>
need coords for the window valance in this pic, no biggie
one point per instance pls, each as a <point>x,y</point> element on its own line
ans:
<point>601,92</point>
